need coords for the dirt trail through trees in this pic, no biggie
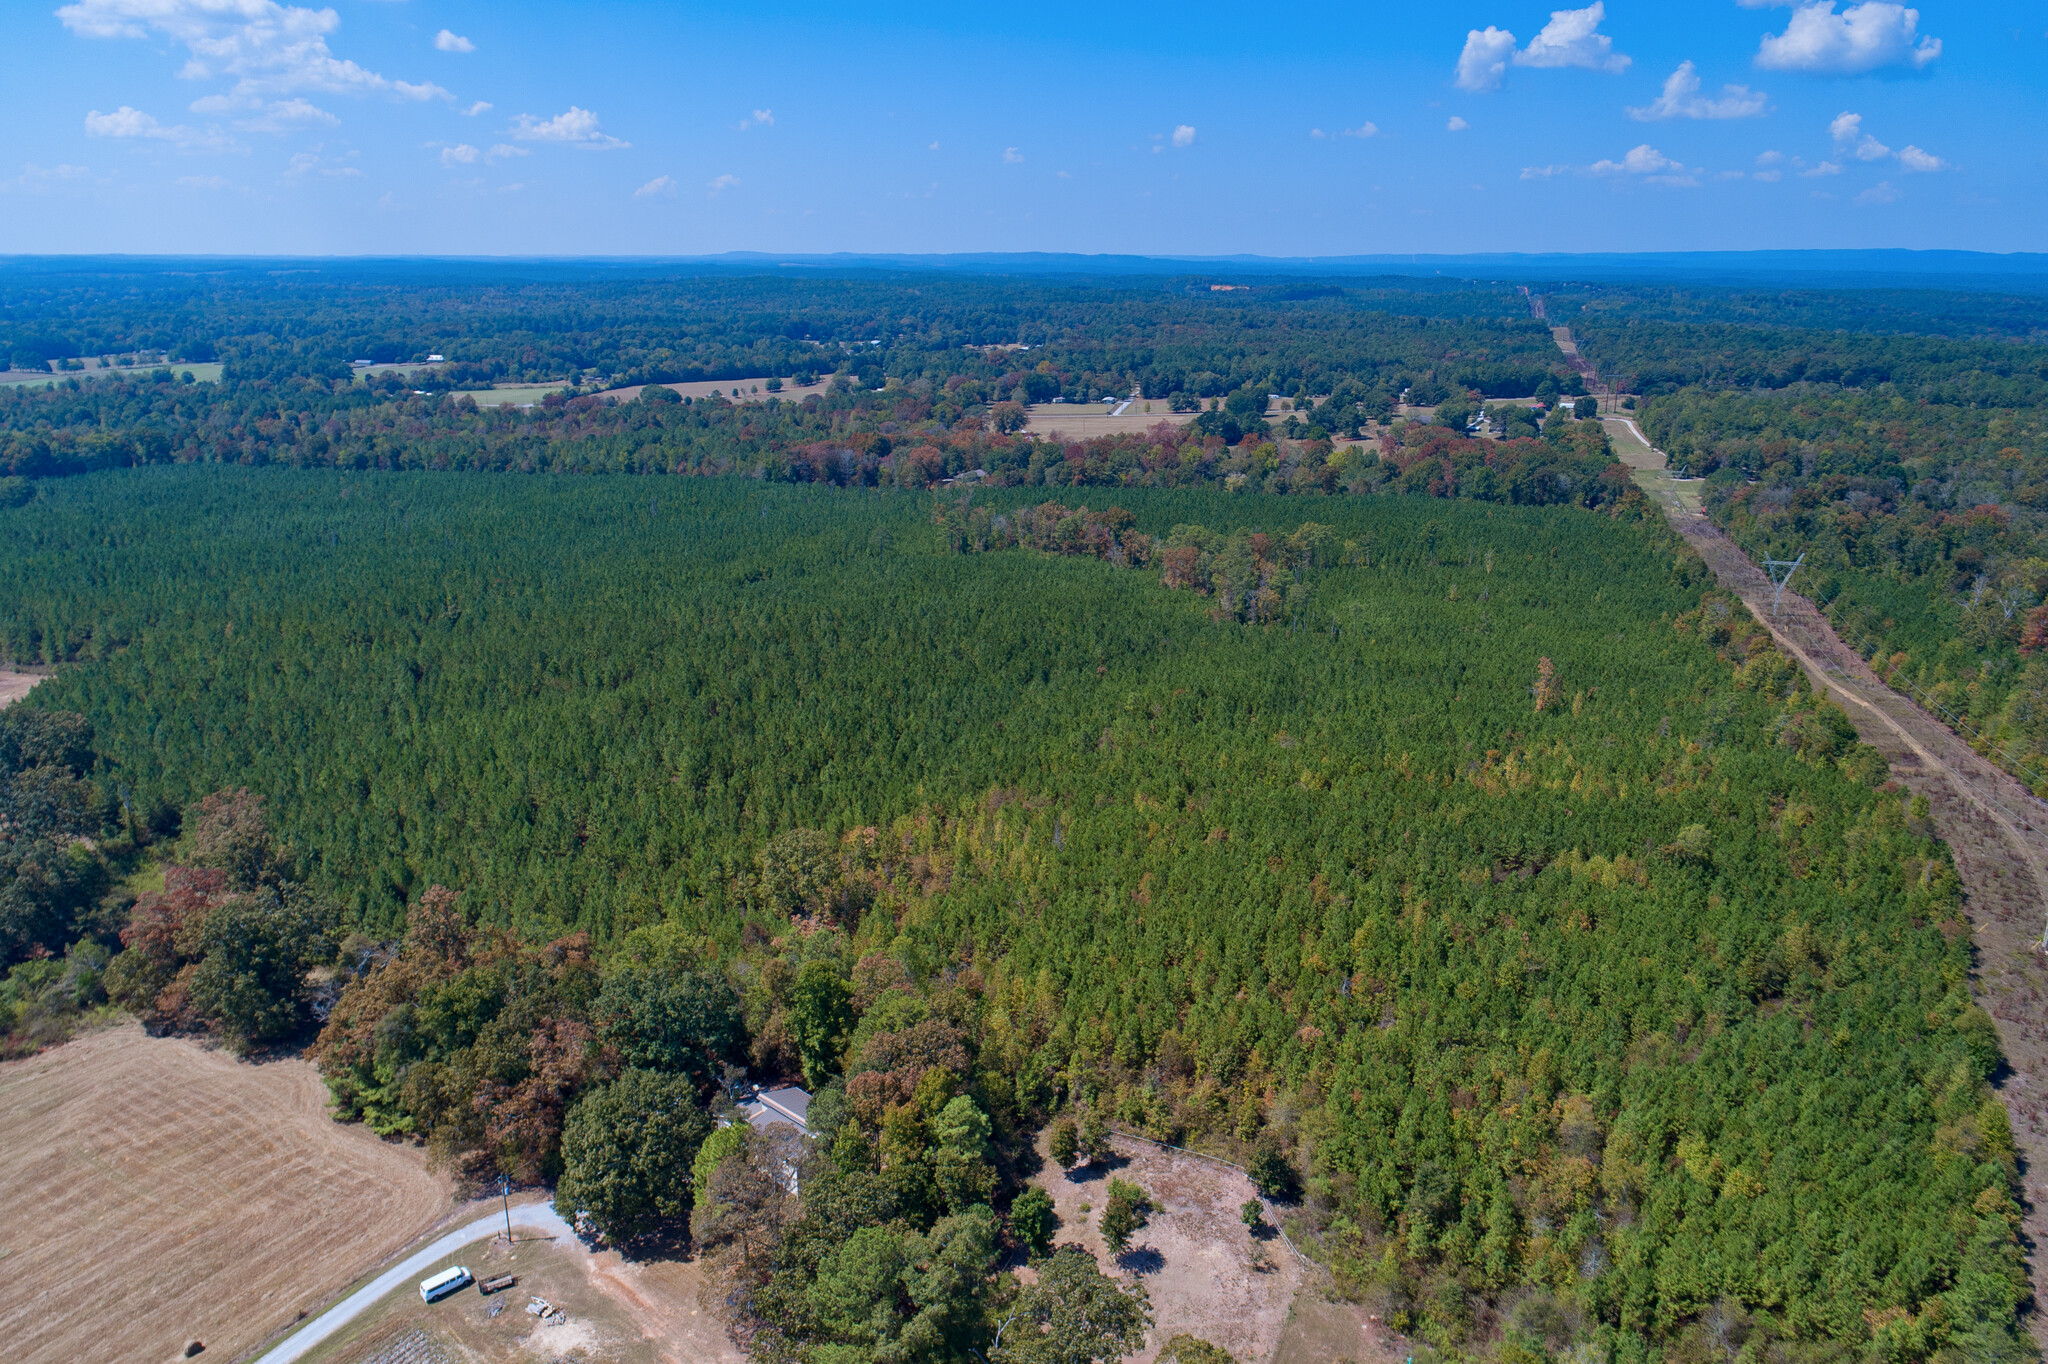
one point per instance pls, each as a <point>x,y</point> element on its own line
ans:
<point>1996,829</point>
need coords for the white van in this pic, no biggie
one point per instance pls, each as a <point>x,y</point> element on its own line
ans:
<point>447,1281</point>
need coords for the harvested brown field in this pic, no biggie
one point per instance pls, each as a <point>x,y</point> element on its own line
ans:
<point>160,1191</point>
<point>1085,421</point>
<point>14,686</point>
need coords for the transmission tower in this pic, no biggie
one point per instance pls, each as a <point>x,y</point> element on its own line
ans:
<point>1781,571</point>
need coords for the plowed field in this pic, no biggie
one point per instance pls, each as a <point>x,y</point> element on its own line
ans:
<point>160,1192</point>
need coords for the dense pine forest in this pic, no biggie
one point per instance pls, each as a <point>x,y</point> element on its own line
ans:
<point>1387,803</point>
<point>1474,871</point>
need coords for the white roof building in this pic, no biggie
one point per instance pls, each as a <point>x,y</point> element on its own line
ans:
<point>785,1105</point>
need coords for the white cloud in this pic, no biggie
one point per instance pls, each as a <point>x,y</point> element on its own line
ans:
<point>660,184</point>
<point>764,118</point>
<point>1184,135</point>
<point>1642,160</point>
<point>274,116</point>
<point>1770,177</point>
<point>1012,157</point>
<point>1317,132</point>
<point>934,146</point>
<point>460,155</point>
<point>1863,37</point>
<point>1880,193</point>
<point>722,184</point>
<point>1367,129</point>
<point>203,181</point>
<point>1847,131</point>
<point>1456,125</point>
<point>576,128</point>
<point>444,41</point>
<point>36,179</point>
<point>1824,168</point>
<point>502,150</point>
<point>1572,38</point>
<point>480,107</point>
<point>126,122</point>
<point>1770,158</point>
<point>271,49</point>
<point>1682,99</point>
<point>1484,61</point>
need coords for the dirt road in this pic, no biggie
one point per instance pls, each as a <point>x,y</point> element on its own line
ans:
<point>1997,830</point>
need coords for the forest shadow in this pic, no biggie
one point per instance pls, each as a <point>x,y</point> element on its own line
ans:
<point>668,1242</point>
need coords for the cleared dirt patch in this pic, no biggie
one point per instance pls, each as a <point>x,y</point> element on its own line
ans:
<point>14,686</point>
<point>664,1299</point>
<point>1320,1331</point>
<point>159,1191</point>
<point>1194,1258</point>
<point>626,1314</point>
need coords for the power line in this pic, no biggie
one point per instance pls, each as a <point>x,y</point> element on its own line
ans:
<point>1781,571</point>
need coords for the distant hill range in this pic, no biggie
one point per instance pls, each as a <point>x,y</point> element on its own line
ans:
<point>2019,272</point>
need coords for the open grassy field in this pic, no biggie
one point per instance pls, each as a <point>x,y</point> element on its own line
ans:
<point>1084,421</point>
<point>523,396</point>
<point>206,373</point>
<point>159,1191</point>
<point>739,390</point>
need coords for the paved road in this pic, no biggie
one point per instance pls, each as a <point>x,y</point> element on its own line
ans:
<point>540,1217</point>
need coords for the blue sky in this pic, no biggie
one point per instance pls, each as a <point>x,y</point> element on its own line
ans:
<point>438,127</point>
